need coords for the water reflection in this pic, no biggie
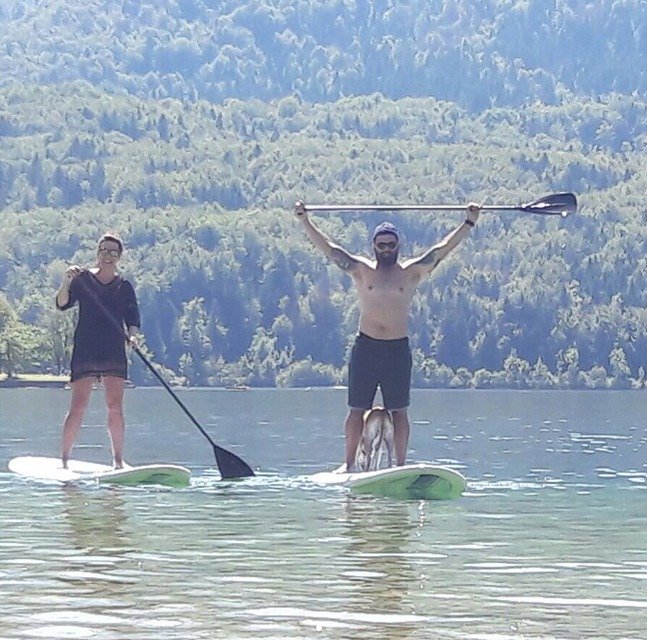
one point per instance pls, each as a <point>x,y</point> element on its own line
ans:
<point>126,570</point>
<point>96,560</point>
<point>379,572</point>
<point>551,543</point>
<point>96,519</point>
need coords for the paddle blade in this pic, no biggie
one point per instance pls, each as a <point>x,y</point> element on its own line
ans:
<point>558,204</point>
<point>230,465</point>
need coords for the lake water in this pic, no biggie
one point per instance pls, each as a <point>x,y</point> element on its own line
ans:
<point>550,542</point>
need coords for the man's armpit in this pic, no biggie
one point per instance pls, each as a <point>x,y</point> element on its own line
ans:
<point>342,259</point>
<point>429,259</point>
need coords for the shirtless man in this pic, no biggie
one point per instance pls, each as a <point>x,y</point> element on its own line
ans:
<point>381,353</point>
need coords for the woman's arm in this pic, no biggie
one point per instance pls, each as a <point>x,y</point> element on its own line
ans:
<point>63,293</point>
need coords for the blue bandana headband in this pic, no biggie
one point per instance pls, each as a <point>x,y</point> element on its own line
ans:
<point>385,227</point>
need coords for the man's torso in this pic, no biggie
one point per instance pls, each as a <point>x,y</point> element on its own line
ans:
<point>385,296</point>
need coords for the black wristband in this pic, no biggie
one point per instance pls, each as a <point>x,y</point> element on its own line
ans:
<point>469,223</point>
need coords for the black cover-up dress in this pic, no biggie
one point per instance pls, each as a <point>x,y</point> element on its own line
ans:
<point>99,347</point>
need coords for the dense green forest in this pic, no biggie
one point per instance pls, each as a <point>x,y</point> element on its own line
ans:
<point>477,54</point>
<point>191,127</point>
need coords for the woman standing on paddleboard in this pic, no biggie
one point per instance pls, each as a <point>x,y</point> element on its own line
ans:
<point>107,307</point>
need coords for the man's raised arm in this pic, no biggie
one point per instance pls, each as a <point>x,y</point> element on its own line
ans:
<point>431,258</point>
<point>334,252</point>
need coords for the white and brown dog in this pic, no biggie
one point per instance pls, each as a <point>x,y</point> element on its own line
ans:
<point>376,449</point>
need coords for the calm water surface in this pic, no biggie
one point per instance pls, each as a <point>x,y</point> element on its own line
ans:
<point>550,542</point>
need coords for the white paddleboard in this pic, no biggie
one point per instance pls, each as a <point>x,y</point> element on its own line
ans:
<point>43,468</point>
<point>408,482</point>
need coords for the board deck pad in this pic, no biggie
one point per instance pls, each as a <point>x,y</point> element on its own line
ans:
<point>44,468</point>
<point>408,482</point>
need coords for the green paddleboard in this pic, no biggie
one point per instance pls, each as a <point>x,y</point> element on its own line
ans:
<point>51,469</point>
<point>409,482</point>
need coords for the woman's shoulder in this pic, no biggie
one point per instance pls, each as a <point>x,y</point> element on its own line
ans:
<point>83,276</point>
<point>124,284</point>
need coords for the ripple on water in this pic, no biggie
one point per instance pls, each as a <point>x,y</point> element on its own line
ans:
<point>340,617</point>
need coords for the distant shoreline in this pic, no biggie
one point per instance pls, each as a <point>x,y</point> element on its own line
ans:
<point>34,380</point>
<point>41,381</point>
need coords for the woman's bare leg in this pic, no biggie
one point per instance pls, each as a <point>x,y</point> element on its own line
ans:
<point>81,391</point>
<point>114,395</point>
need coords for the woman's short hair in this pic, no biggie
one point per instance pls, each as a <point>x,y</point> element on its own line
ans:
<point>111,237</point>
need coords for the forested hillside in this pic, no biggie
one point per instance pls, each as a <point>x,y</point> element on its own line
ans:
<point>477,54</point>
<point>106,122</point>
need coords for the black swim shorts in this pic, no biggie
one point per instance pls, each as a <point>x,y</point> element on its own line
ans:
<point>386,363</point>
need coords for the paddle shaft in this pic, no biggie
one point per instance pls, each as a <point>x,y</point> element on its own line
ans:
<point>404,207</point>
<point>558,204</point>
<point>165,384</point>
<point>229,464</point>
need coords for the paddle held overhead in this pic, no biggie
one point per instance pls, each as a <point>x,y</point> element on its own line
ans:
<point>558,204</point>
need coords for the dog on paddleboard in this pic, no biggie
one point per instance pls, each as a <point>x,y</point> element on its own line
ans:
<point>376,448</point>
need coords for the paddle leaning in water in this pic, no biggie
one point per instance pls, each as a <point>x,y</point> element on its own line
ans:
<point>229,464</point>
<point>558,204</point>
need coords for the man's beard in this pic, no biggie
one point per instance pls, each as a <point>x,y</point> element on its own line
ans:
<point>387,260</point>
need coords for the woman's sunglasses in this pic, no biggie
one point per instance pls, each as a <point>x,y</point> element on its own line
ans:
<point>113,253</point>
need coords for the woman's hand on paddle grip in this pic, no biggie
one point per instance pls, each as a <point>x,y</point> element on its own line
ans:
<point>71,272</point>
